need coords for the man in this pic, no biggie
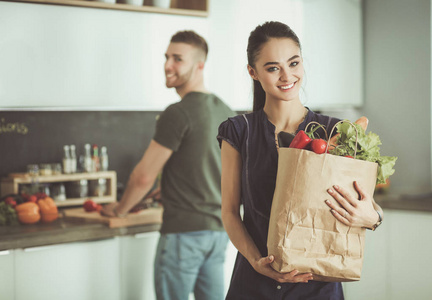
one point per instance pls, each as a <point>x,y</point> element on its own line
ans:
<point>191,249</point>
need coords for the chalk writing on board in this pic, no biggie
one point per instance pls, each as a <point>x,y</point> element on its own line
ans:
<point>16,127</point>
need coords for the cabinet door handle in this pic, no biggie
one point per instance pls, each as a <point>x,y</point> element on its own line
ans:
<point>147,235</point>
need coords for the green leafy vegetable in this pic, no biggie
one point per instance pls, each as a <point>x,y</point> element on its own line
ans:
<point>8,215</point>
<point>367,148</point>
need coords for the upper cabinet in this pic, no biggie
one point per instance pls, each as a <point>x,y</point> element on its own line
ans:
<point>75,57</point>
<point>330,32</point>
<point>177,7</point>
<point>332,53</point>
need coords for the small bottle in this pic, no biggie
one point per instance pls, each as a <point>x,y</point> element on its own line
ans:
<point>66,160</point>
<point>95,159</point>
<point>88,162</point>
<point>104,159</point>
<point>73,159</point>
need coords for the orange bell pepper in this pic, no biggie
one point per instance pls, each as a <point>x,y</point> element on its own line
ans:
<point>28,213</point>
<point>48,209</point>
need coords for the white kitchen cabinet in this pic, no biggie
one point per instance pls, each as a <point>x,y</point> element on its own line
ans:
<point>331,36</point>
<point>137,254</point>
<point>7,275</point>
<point>397,259</point>
<point>85,271</point>
<point>409,255</point>
<point>372,284</point>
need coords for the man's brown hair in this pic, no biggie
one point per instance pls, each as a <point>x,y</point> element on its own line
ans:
<point>191,38</point>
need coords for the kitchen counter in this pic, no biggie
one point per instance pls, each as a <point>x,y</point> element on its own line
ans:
<point>421,202</point>
<point>68,230</point>
<point>63,231</point>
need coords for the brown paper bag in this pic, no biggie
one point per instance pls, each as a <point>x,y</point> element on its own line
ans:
<point>303,234</point>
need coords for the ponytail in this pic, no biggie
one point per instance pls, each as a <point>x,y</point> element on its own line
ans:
<point>258,96</point>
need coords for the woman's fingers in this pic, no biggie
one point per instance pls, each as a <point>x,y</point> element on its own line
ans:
<point>346,195</point>
<point>346,205</point>
<point>292,276</point>
<point>344,218</point>
<point>360,190</point>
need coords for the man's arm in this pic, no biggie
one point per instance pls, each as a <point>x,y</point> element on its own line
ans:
<point>141,180</point>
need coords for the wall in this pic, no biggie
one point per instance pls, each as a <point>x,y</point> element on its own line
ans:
<point>74,57</point>
<point>28,137</point>
<point>397,35</point>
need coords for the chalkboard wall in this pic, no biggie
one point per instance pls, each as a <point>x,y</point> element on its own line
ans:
<point>34,137</point>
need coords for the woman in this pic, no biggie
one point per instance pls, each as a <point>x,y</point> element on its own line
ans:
<point>249,167</point>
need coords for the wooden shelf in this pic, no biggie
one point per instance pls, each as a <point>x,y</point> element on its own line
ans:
<point>11,185</point>
<point>181,9</point>
<point>24,178</point>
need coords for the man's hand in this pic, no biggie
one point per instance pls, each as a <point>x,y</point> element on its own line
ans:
<point>108,210</point>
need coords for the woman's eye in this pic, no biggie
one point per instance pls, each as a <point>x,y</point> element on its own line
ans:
<point>272,69</point>
<point>178,59</point>
<point>294,64</point>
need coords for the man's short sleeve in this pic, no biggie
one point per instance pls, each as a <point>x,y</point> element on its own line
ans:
<point>171,127</point>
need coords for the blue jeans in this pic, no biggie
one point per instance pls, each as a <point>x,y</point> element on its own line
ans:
<point>190,262</point>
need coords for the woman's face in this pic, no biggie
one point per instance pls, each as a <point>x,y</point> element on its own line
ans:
<point>279,68</point>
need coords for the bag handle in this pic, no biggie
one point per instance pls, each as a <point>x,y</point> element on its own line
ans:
<point>331,133</point>
<point>319,126</point>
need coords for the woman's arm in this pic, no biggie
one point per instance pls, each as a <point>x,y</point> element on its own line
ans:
<point>237,232</point>
<point>354,212</point>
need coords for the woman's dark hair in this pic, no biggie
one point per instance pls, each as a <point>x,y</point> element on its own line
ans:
<point>258,37</point>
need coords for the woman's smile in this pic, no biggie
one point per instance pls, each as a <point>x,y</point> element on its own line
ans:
<point>287,87</point>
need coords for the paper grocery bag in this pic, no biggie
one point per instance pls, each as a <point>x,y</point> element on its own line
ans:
<point>303,233</point>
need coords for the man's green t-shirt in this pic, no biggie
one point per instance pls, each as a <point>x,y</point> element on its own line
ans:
<point>190,187</point>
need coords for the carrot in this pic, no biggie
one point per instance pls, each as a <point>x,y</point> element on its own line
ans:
<point>362,121</point>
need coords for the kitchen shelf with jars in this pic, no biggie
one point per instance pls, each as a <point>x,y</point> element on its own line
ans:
<point>196,8</point>
<point>70,183</point>
<point>68,189</point>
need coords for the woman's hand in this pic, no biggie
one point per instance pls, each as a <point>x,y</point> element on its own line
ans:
<point>354,212</point>
<point>263,267</point>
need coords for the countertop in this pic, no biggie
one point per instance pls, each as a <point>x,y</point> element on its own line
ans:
<point>420,202</point>
<point>67,230</point>
<point>63,231</point>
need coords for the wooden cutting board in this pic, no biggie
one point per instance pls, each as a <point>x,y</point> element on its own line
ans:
<point>151,215</point>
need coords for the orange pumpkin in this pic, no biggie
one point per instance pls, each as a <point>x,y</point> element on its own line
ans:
<point>48,209</point>
<point>28,213</point>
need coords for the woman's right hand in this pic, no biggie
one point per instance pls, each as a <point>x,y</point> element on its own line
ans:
<point>263,267</point>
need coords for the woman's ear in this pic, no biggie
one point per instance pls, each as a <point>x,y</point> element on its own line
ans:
<point>252,73</point>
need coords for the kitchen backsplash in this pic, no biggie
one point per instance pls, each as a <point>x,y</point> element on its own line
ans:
<point>37,137</point>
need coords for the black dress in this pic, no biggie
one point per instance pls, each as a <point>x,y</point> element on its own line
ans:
<point>253,135</point>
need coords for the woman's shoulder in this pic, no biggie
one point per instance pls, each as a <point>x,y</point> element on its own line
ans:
<point>241,121</point>
<point>327,121</point>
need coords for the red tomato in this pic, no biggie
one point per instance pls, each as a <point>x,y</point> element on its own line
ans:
<point>10,201</point>
<point>90,205</point>
<point>32,198</point>
<point>318,146</point>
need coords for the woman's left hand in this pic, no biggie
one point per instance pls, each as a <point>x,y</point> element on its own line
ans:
<point>354,212</point>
